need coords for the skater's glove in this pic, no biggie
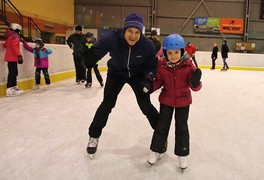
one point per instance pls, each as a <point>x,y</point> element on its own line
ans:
<point>20,60</point>
<point>44,50</point>
<point>148,83</point>
<point>196,77</point>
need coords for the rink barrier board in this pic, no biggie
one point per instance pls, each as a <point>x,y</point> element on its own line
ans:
<point>28,84</point>
<point>241,68</point>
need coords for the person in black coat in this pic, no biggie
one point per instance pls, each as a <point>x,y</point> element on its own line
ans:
<point>224,53</point>
<point>214,55</point>
<point>90,42</point>
<point>132,62</point>
<point>77,42</point>
<point>155,39</point>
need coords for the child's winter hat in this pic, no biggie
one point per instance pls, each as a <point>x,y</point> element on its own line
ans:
<point>134,20</point>
<point>78,28</point>
<point>89,35</point>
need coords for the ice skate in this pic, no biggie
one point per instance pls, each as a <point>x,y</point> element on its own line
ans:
<point>183,163</point>
<point>13,91</point>
<point>154,158</point>
<point>36,87</point>
<point>19,91</point>
<point>47,87</point>
<point>88,85</point>
<point>92,147</point>
<point>82,81</point>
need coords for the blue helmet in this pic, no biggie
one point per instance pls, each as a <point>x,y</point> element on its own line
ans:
<point>173,41</point>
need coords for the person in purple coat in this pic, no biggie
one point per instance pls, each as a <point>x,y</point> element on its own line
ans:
<point>41,61</point>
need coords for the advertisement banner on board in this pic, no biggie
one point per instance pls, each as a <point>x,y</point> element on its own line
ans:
<point>218,25</point>
<point>232,26</point>
<point>207,25</point>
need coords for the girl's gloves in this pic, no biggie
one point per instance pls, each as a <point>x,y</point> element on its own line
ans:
<point>196,77</point>
<point>20,60</point>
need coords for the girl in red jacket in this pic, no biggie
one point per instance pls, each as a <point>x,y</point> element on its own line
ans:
<point>12,57</point>
<point>176,75</point>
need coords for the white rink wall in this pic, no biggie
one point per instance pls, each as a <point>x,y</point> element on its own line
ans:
<point>234,59</point>
<point>61,60</point>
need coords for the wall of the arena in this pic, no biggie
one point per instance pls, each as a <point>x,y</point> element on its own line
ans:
<point>62,66</point>
<point>56,11</point>
<point>175,16</point>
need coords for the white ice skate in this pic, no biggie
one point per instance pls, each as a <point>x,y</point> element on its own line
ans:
<point>92,147</point>
<point>13,91</point>
<point>183,163</point>
<point>36,87</point>
<point>47,87</point>
<point>154,158</point>
<point>19,91</point>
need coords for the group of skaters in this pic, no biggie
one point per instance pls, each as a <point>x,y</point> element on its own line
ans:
<point>81,44</point>
<point>13,57</point>
<point>191,49</point>
<point>78,42</point>
<point>224,54</point>
<point>134,61</point>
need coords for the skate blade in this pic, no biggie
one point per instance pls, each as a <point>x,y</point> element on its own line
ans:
<point>91,156</point>
<point>151,164</point>
<point>183,169</point>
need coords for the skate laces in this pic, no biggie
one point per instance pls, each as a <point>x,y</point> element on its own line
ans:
<point>93,142</point>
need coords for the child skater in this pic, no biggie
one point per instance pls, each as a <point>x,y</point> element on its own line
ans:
<point>90,40</point>
<point>176,75</point>
<point>214,55</point>
<point>12,57</point>
<point>41,62</point>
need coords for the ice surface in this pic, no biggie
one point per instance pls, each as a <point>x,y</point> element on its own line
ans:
<point>43,134</point>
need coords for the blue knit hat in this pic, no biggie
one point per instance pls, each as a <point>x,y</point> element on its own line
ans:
<point>134,20</point>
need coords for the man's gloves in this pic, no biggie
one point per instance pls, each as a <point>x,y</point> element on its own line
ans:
<point>20,60</point>
<point>196,77</point>
<point>148,83</point>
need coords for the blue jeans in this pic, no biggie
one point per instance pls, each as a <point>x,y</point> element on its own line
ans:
<point>225,66</point>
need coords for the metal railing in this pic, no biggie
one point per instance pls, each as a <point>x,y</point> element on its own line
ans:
<point>10,14</point>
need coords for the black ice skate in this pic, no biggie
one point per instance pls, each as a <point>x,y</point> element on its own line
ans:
<point>92,147</point>
<point>88,85</point>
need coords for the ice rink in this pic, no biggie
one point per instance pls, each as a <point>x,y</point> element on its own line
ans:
<point>43,134</point>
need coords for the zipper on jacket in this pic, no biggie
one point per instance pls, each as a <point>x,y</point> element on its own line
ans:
<point>128,60</point>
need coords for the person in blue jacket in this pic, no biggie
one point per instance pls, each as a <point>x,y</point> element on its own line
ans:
<point>132,62</point>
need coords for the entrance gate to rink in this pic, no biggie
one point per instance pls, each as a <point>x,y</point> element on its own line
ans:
<point>177,16</point>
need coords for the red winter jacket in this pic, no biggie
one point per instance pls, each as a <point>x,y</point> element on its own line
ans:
<point>12,46</point>
<point>190,50</point>
<point>175,83</point>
